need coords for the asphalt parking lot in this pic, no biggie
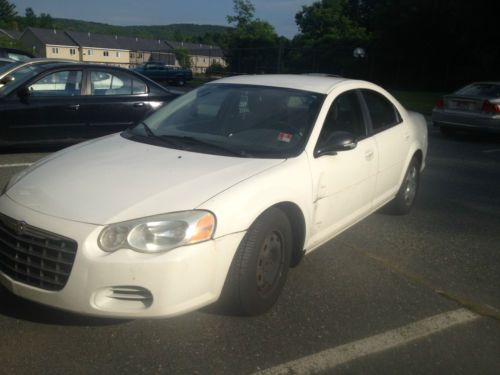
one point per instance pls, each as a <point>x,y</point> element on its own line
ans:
<point>417,294</point>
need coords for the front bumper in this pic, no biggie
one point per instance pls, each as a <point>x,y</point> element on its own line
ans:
<point>126,283</point>
<point>466,121</point>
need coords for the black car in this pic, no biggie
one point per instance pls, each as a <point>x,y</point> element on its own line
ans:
<point>67,102</point>
<point>15,54</point>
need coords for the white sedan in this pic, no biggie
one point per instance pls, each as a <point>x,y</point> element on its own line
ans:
<point>213,197</point>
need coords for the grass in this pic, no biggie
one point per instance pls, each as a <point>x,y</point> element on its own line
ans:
<point>418,101</point>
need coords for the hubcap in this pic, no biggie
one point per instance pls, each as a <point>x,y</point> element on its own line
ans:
<point>410,185</point>
<point>270,263</point>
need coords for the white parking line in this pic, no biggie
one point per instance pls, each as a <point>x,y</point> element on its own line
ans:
<point>330,358</point>
<point>15,165</point>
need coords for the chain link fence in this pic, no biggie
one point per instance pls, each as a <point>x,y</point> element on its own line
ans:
<point>407,71</point>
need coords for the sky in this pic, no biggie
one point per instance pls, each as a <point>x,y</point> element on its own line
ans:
<point>280,13</point>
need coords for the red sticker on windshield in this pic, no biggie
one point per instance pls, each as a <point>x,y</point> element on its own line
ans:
<point>284,137</point>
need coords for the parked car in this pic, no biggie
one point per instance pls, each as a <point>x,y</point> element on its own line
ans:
<point>474,107</point>
<point>164,73</point>
<point>20,69</point>
<point>213,196</point>
<point>66,102</point>
<point>15,54</point>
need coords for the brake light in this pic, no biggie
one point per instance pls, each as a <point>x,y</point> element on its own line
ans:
<point>440,103</point>
<point>490,107</point>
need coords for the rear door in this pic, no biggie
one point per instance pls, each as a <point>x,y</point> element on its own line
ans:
<point>115,100</point>
<point>392,139</point>
<point>47,109</point>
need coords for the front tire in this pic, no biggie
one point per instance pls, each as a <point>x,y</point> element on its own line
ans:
<point>407,193</point>
<point>259,268</point>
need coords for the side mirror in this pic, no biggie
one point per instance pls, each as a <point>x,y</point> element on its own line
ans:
<point>23,93</point>
<point>6,80</point>
<point>336,142</point>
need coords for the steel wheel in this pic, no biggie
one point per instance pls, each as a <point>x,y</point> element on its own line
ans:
<point>270,263</point>
<point>411,183</point>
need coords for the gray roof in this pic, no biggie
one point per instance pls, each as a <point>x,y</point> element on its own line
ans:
<point>51,36</point>
<point>13,34</point>
<point>105,41</point>
<point>198,49</point>
<point>84,39</point>
<point>140,44</point>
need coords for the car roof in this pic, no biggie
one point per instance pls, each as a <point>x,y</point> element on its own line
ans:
<point>319,84</point>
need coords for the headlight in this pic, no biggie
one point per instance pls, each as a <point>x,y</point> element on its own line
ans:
<point>159,233</point>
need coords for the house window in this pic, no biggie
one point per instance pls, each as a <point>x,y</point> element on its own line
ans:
<point>90,52</point>
<point>132,55</point>
<point>139,55</point>
<point>117,54</point>
<point>105,53</point>
<point>55,50</point>
<point>72,51</point>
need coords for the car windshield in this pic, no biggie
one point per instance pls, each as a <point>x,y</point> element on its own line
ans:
<point>481,89</point>
<point>20,75</point>
<point>241,120</point>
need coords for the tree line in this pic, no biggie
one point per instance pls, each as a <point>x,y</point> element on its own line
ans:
<point>422,44</point>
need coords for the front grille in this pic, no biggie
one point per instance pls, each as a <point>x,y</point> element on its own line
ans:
<point>33,256</point>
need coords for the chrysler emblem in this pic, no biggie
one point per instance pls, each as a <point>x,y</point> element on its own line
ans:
<point>20,227</point>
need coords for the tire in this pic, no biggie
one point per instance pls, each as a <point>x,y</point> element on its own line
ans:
<point>180,82</point>
<point>259,268</point>
<point>407,193</point>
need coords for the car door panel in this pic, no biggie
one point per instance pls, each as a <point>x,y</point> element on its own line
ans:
<point>344,182</point>
<point>393,147</point>
<point>113,102</point>
<point>392,140</point>
<point>47,111</point>
<point>345,185</point>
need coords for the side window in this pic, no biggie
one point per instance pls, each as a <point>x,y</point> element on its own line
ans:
<point>382,112</point>
<point>62,83</point>
<point>345,114</point>
<point>115,83</point>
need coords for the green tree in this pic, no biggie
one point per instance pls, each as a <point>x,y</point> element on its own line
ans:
<point>182,56</point>
<point>253,45</point>
<point>45,20</point>
<point>7,14</point>
<point>30,18</point>
<point>328,34</point>
<point>244,12</point>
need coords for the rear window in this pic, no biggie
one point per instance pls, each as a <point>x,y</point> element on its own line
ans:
<point>481,89</point>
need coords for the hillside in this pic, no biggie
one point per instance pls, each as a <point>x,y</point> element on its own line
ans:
<point>175,32</point>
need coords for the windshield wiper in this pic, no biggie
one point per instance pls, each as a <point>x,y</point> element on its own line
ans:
<point>204,145</point>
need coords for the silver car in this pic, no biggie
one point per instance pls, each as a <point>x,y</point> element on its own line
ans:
<point>473,107</point>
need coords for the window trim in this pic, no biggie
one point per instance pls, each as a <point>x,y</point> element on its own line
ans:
<point>62,69</point>
<point>371,130</point>
<point>87,85</point>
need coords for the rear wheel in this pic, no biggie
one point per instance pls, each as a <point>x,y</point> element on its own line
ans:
<point>405,198</point>
<point>260,265</point>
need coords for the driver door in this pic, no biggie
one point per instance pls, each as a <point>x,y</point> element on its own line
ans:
<point>344,182</point>
<point>47,110</point>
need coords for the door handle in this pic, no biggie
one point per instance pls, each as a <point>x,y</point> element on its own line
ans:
<point>141,104</point>
<point>369,154</point>
<point>74,107</point>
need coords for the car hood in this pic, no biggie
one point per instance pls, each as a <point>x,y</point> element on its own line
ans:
<point>113,179</point>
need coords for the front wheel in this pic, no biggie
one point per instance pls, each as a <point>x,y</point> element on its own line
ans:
<point>405,198</point>
<point>259,268</point>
